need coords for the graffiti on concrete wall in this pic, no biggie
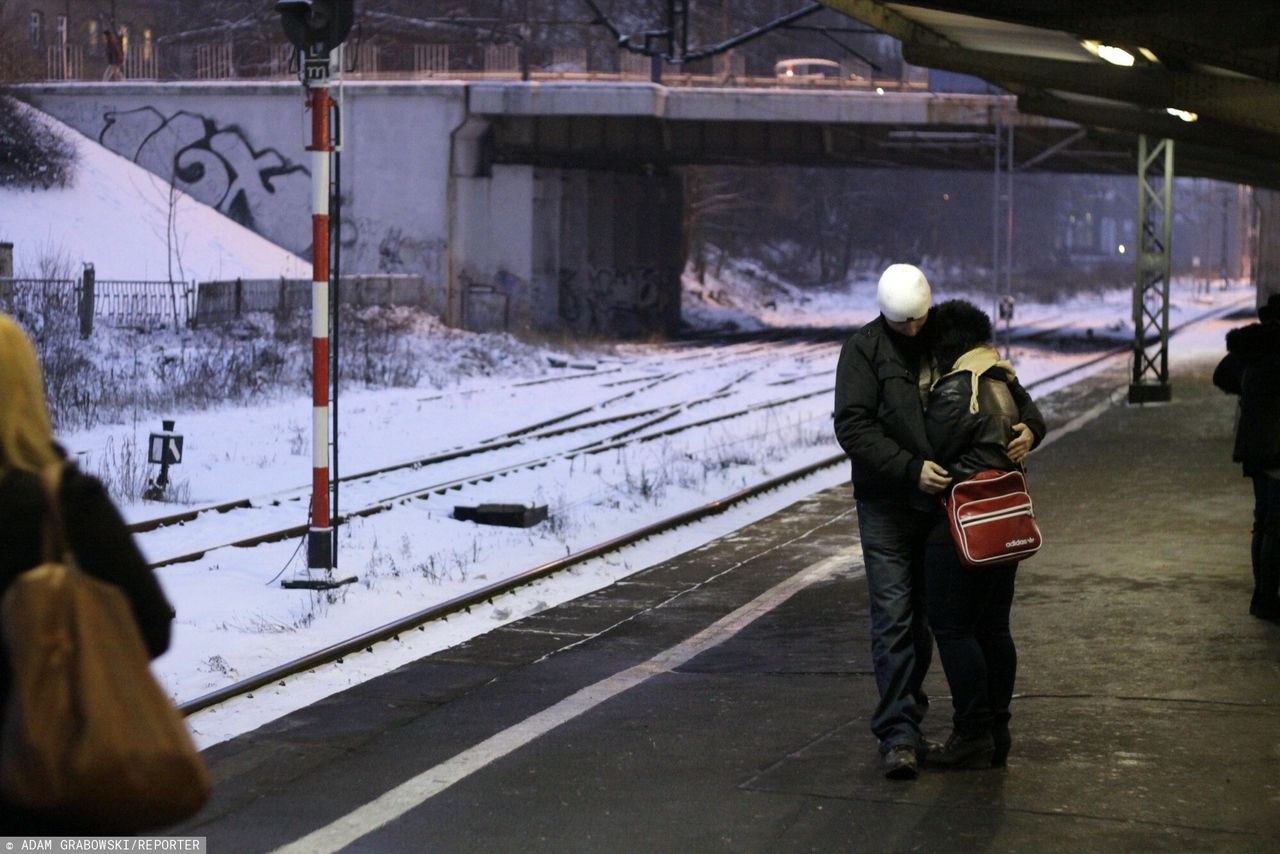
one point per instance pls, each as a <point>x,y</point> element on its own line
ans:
<point>398,252</point>
<point>632,301</point>
<point>218,165</point>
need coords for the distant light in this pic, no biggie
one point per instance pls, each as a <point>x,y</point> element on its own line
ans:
<point>1108,53</point>
<point>791,72</point>
<point>1148,55</point>
<point>1120,248</point>
<point>1115,55</point>
<point>946,197</point>
<point>1185,115</point>
<point>879,90</point>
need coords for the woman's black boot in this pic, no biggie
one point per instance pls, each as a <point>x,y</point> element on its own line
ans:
<point>1003,741</point>
<point>964,751</point>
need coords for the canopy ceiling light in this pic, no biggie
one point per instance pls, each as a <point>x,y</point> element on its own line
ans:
<point>1109,53</point>
<point>1185,115</point>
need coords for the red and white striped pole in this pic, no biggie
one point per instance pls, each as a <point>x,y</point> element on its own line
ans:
<point>320,535</point>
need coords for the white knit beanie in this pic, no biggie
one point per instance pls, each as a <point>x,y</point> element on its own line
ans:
<point>903,293</point>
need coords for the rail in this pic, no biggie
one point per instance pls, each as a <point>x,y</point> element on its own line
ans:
<point>391,630</point>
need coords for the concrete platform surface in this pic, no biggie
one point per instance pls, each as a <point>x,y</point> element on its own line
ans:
<point>719,701</point>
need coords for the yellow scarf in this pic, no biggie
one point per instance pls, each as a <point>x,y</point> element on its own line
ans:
<point>977,362</point>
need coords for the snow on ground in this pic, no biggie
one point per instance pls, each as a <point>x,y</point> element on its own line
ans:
<point>117,216</point>
<point>235,620</point>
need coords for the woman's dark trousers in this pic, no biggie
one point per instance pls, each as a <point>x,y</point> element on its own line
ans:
<point>1266,547</point>
<point>969,615</point>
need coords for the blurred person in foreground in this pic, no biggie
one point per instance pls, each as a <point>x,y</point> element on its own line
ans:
<point>978,418</point>
<point>882,380</point>
<point>95,532</point>
<point>1251,369</point>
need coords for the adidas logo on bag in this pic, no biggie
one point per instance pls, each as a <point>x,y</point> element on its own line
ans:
<point>1025,542</point>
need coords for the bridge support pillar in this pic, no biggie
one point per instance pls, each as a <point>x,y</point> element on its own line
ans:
<point>1266,270</point>
<point>590,252</point>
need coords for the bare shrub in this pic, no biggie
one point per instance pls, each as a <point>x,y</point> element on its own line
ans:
<point>34,155</point>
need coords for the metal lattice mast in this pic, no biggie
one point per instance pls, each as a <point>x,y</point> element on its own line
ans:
<point>1151,289</point>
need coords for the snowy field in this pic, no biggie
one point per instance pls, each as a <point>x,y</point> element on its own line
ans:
<point>234,618</point>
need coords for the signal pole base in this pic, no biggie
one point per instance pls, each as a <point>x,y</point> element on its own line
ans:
<point>319,574</point>
<point>316,583</point>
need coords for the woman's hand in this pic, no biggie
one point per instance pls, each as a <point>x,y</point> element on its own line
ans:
<point>1021,443</point>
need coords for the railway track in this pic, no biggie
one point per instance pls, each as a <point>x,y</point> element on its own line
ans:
<point>606,431</point>
<point>391,631</point>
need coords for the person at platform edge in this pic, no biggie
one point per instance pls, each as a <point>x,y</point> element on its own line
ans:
<point>95,531</point>
<point>1251,369</point>
<point>882,380</point>
<point>976,420</point>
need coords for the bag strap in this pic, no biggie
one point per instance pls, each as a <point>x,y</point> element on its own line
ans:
<point>55,530</point>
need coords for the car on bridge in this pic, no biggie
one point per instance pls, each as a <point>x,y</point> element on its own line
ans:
<point>806,70</point>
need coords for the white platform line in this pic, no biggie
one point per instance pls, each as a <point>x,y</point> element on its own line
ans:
<point>1082,419</point>
<point>433,781</point>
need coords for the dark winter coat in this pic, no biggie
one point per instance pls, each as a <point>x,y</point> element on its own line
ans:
<point>879,416</point>
<point>102,547</point>
<point>1251,369</point>
<point>970,429</point>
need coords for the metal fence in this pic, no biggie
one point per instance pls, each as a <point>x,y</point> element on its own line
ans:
<point>225,301</point>
<point>135,302</point>
<point>118,302</point>
<point>64,62</point>
<point>227,58</point>
<point>155,303</point>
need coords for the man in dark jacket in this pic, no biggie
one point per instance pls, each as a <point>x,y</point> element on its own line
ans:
<point>881,380</point>
<point>1251,369</point>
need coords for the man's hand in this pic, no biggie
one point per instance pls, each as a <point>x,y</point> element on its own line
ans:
<point>933,478</point>
<point>1021,443</point>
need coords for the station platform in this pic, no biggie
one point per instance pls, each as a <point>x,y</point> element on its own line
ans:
<point>720,701</point>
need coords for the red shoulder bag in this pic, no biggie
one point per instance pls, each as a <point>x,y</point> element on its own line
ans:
<point>992,519</point>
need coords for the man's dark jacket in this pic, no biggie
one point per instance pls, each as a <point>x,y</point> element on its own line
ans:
<point>1251,369</point>
<point>879,417</point>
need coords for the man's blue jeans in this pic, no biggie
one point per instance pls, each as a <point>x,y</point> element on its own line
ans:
<point>893,549</point>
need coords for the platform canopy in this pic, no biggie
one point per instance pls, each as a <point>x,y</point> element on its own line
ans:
<point>1206,75</point>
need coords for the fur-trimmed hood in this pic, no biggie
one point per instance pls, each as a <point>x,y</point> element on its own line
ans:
<point>1255,340</point>
<point>977,362</point>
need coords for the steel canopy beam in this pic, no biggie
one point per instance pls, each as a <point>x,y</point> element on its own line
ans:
<point>1233,100</point>
<point>1242,39</point>
<point>1261,146</point>
<point>1201,144</point>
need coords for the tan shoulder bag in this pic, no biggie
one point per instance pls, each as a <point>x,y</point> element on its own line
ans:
<point>90,739</point>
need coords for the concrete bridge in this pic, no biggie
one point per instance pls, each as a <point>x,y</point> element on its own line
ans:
<point>523,205</point>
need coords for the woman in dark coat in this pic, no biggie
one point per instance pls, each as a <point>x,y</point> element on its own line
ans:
<point>95,531</point>
<point>1251,369</point>
<point>976,414</point>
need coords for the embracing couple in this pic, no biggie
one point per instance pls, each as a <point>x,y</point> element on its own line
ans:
<point>924,402</point>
